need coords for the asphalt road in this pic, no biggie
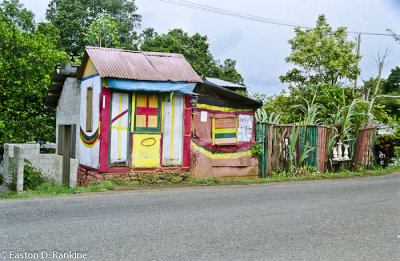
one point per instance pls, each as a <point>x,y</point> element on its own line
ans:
<point>349,219</point>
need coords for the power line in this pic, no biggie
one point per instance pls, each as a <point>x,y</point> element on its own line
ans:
<point>249,17</point>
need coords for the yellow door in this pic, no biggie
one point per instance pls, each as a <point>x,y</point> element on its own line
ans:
<point>146,131</point>
<point>146,151</point>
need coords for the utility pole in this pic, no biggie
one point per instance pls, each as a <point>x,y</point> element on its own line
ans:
<point>358,54</point>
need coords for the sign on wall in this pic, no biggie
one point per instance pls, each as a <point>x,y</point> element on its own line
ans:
<point>245,128</point>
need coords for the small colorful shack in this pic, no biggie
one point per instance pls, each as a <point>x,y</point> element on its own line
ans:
<point>125,112</point>
<point>135,113</point>
<point>223,131</point>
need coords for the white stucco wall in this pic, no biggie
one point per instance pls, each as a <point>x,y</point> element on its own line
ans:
<point>89,156</point>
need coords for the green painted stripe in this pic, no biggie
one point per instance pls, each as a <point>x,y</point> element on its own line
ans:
<point>225,135</point>
<point>89,138</point>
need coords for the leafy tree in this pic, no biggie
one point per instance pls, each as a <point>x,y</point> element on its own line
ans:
<point>51,32</point>
<point>320,56</point>
<point>27,59</point>
<point>74,17</point>
<point>13,12</point>
<point>103,32</point>
<point>392,84</point>
<point>196,50</point>
<point>331,99</point>
<point>367,89</point>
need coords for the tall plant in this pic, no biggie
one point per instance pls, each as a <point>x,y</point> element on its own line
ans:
<point>311,111</point>
<point>294,164</point>
<point>344,118</point>
<point>262,116</point>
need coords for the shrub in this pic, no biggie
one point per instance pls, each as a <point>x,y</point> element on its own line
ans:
<point>257,149</point>
<point>385,149</point>
<point>32,177</point>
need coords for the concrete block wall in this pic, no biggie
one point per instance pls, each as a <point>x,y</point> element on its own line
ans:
<point>13,168</point>
<point>49,165</point>
<point>68,109</point>
<point>73,166</point>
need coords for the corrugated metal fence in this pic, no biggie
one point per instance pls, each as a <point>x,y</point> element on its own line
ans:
<point>276,140</point>
<point>364,155</point>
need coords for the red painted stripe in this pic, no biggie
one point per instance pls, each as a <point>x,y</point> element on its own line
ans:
<point>104,128</point>
<point>115,170</point>
<point>146,111</point>
<point>91,142</point>
<point>187,123</point>
<point>119,116</point>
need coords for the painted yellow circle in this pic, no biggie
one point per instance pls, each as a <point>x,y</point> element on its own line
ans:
<point>148,142</point>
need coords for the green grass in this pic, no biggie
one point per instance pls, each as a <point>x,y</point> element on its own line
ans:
<point>49,188</point>
<point>207,181</point>
<point>322,175</point>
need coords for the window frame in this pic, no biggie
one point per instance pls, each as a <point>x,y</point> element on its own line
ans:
<point>89,109</point>
<point>148,129</point>
<point>213,131</point>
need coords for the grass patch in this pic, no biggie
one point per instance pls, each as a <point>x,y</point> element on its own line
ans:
<point>321,175</point>
<point>50,188</point>
<point>207,181</point>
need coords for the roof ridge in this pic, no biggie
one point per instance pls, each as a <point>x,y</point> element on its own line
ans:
<point>150,53</point>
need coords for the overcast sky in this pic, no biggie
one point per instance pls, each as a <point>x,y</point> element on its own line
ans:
<point>259,48</point>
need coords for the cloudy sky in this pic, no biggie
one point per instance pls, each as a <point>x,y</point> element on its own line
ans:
<point>260,48</point>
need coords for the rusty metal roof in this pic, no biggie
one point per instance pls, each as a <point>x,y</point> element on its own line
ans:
<point>141,66</point>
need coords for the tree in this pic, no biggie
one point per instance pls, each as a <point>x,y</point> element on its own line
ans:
<point>74,17</point>
<point>390,94</point>
<point>392,84</point>
<point>27,59</point>
<point>103,32</point>
<point>196,50</point>
<point>320,56</point>
<point>14,13</point>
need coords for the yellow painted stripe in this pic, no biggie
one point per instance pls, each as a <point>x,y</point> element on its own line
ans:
<point>172,126</point>
<point>117,128</point>
<point>217,108</point>
<point>213,130</point>
<point>233,155</point>
<point>133,110</point>
<point>84,142</point>
<point>226,130</point>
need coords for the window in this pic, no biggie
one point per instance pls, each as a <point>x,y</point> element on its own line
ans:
<point>147,112</point>
<point>89,111</point>
<point>231,130</point>
<point>224,131</point>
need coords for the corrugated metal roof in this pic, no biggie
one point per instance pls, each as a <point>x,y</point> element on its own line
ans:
<point>141,66</point>
<point>225,83</point>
